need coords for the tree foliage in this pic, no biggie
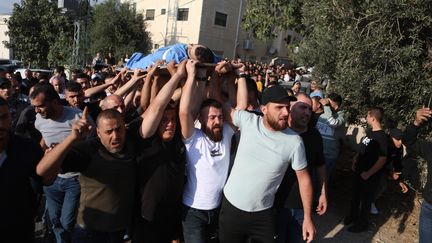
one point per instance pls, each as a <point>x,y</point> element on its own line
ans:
<point>376,53</point>
<point>39,34</point>
<point>117,27</point>
<point>266,18</point>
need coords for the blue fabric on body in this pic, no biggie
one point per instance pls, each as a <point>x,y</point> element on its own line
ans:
<point>176,52</point>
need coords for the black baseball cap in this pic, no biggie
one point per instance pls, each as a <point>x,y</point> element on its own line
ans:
<point>396,133</point>
<point>4,83</point>
<point>275,94</point>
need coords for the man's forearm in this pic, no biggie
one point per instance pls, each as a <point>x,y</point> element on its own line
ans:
<point>52,161</point>
<point>306,192</point>
<point>322,179</point>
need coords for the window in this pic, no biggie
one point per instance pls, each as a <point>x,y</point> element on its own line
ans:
<point>163,11</point>
<point>182,14</point>
<point>221,19</point>
<point>150,14</point>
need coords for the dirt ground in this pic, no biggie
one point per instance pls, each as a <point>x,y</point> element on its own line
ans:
<point>396,222</point>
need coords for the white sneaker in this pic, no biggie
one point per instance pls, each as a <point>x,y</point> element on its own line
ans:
<point>373,209</point>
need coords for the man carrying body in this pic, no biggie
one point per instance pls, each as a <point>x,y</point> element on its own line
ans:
<point>267,147</point>
<point>207,153</point>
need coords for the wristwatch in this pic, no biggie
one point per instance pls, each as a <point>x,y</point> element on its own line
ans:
<point>241,75</point>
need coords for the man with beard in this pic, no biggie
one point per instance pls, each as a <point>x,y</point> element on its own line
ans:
<point>207,153</point>
<point>267,147</point>
<point>288,203</point>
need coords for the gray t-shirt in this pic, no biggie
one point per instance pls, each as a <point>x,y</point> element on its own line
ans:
<point>55,131</point>
<point>261,161</point>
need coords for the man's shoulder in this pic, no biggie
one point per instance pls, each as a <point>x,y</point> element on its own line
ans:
<point>18,143</point>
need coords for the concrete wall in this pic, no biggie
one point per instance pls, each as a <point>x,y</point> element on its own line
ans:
<point>4,52</point>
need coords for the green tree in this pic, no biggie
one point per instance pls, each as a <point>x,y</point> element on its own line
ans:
<point>39,34</point>
<point>376,52</point>
<point>117,27</point>
<point>266,18</point>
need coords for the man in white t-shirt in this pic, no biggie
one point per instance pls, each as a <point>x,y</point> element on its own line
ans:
<point>267,147</point>
<point>207,152</point>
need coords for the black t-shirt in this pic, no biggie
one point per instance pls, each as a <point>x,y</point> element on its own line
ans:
<point>394,157</point>
<point>372,146</point>
<point>161,175</point>
<point>18,203</point>
<point>107,184</point>
<point>288,194</point>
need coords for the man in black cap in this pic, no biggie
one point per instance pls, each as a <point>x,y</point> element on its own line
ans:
<point>267,147</point>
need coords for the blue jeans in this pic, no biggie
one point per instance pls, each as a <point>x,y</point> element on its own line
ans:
<point>289,225</point>
<point>199,225</point>
<point>82,235</point>
<point>62,200</point>
<point>425,226</point>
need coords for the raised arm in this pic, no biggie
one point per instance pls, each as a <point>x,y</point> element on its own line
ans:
<point>100,88</point>
<point>146,89</point>
<point>153,115</point>
<point>410,139</point>
<point>190,99</point>
<point>242,93</point>
<point>127,87</point>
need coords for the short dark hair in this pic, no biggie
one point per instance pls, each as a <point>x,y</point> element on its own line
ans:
<point>47,90</point>
<point>335,98</point>
<point>211,103</point>
<point>108,114</point>
<point>376,112</point>
<point>204,54</point>
<point>83,75</point>
<point>73,86</point>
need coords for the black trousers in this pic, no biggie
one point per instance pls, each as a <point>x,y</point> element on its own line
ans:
<point>363,192</point>
<point>238,226</point>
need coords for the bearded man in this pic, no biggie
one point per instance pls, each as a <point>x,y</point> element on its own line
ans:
<point>267,147</point>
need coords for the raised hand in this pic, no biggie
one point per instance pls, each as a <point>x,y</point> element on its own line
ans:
<point>171,68</point>
<point>422,115</point>
<point>81,128</point>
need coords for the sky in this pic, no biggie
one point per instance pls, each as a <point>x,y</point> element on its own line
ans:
<point>6,6</point>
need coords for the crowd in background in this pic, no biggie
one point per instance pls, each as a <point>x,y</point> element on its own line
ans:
<point>183,153</point>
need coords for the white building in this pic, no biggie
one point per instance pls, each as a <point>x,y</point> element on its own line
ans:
<point>214,23</point>
<point>5,53</point>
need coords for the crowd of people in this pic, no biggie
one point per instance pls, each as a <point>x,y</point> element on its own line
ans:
<point>230,152</point>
